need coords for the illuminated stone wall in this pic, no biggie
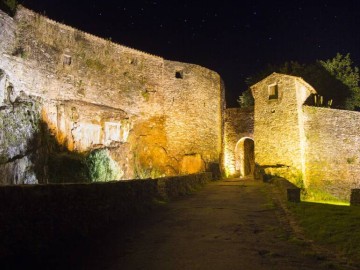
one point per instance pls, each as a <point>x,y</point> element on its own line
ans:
<point>194,109</point>
<point>239,123</point>
<point>314,147</point>
<point>332,155</point>
<point>156,117</point>
<point>279,133</point>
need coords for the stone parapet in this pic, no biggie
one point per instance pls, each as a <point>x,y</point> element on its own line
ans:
<point>37,216</point>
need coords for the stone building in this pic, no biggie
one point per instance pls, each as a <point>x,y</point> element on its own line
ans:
<point>314,147</point>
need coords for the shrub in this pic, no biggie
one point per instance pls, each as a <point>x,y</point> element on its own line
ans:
<point>101,167</point>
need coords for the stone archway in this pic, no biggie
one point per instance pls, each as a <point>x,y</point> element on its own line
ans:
<point>244,157</point>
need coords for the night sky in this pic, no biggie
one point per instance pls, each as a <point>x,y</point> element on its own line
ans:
<point>234,38</point>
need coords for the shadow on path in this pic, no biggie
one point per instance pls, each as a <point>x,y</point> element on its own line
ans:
<point>229,224</point>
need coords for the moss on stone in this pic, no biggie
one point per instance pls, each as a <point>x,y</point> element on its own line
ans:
<point>351,160</point>
<point>19,124</point>
<point>95,64</point>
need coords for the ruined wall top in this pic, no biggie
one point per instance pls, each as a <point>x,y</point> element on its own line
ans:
<point>25,12</point>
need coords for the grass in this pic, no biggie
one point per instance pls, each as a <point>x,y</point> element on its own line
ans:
<point>334,226</point>
<point>317,196</point>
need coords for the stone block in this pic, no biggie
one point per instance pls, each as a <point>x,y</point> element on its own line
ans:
<point>355,197</point>
<point>293,195</point>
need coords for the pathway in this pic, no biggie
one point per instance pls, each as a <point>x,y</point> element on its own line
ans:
<point>230,224</point>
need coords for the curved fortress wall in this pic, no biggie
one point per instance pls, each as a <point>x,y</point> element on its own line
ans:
<point>156,117</point>
<point>193,105</point>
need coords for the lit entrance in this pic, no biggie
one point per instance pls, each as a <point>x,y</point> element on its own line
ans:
<point>244,157</point>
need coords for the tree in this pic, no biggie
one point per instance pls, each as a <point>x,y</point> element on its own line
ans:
<point>335,79</point>
<point>341,67</point>
<point>246,99</point>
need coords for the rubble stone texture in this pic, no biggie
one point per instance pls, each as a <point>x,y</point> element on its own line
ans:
<point>314,147</point>
<point>156,117</point>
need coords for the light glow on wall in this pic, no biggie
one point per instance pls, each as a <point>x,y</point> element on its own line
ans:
<point>234,158</point>
<point>86,135</point>
<point>228,160</point>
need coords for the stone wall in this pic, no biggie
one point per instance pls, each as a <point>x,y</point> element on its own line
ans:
<point>238,123</point>
<point>156,117</point>
<point>278,132</point>
<point>332,155</point>
<point>22,154</point>
<point>38,217</point>
<point>193,109</point>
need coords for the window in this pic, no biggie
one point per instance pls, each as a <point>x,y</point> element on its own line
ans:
<point>67,60</point>
<point>273,91</point>
<point>179,75</point>
<point>133,61</point>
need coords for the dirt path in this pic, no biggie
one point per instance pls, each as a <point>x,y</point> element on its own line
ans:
<point>229,224</point>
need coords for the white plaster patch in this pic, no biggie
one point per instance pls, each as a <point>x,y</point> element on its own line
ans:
<point>112,132</point>
<point>86,135</point>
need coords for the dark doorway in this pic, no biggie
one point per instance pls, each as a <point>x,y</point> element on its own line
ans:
<point>244,157</point>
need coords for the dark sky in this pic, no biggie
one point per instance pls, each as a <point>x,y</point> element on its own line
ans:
<point>234,38</point>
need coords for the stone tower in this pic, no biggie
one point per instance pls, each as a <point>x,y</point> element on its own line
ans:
<point>278,125</point>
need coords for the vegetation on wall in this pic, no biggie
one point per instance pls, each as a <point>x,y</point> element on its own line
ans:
<point>9,6</point>
<point>336,80</point>
<point>19,126</point>
<point>73,167</point>
<point>101,167</point>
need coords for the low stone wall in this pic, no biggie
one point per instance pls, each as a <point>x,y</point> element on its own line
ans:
<point>34,217</point>
<point>287,189</point>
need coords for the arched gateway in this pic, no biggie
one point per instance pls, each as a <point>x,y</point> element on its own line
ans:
<point>244,157</point>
